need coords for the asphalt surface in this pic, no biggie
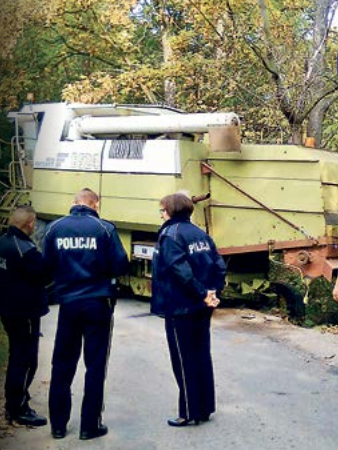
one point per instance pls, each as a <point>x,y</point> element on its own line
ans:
<point>276,388</point>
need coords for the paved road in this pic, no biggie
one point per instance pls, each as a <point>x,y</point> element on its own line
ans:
<point>277,388</point>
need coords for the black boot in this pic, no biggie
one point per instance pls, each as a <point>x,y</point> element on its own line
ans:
<point>27,417</point>
<point>101,430</point>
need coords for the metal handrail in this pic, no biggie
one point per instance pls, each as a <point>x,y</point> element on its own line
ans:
<point>16,144</point>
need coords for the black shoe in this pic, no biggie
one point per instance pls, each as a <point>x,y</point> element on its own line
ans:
<point>181,422</point>
<point>205,418</point>
<point>30,418</point>
<point>101,430</point>
<point>59,433</point>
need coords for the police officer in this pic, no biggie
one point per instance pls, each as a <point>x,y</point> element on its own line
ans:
<point>188,273</point>
<point>22,303</point>
<point>84,254</point>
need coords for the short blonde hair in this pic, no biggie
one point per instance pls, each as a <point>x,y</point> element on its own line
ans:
<point>86,197</point>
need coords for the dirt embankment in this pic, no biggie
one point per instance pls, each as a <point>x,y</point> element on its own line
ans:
<point>5,429</point>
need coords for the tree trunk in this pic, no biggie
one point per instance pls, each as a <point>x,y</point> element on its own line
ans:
<point>297,135</point>
<point>314,126</point>
<point>169,84</point>
<point>315,123</point>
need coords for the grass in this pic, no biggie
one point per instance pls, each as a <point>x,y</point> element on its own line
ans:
<point>3,349</point>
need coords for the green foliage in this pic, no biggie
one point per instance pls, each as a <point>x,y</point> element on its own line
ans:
<point>330,128</point>
<point>270,61</point>
<point>6,133</point>
<point>321,308</point>
<point>282,273</point>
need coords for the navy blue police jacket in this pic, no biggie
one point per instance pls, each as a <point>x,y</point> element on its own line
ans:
<point>84,256</point>
<point>185,266</point>
<point>22,276</point>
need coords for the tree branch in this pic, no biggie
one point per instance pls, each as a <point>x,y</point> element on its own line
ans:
<point>324,94</point>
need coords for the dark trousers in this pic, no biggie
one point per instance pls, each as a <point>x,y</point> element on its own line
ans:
<point>189,346</point>
<point>23,338</point>
<point>88,322</point>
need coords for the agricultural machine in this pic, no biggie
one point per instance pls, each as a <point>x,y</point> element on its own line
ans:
<point>260,203</point>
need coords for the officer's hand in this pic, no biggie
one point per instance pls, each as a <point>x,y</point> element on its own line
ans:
<point>211,300</point>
